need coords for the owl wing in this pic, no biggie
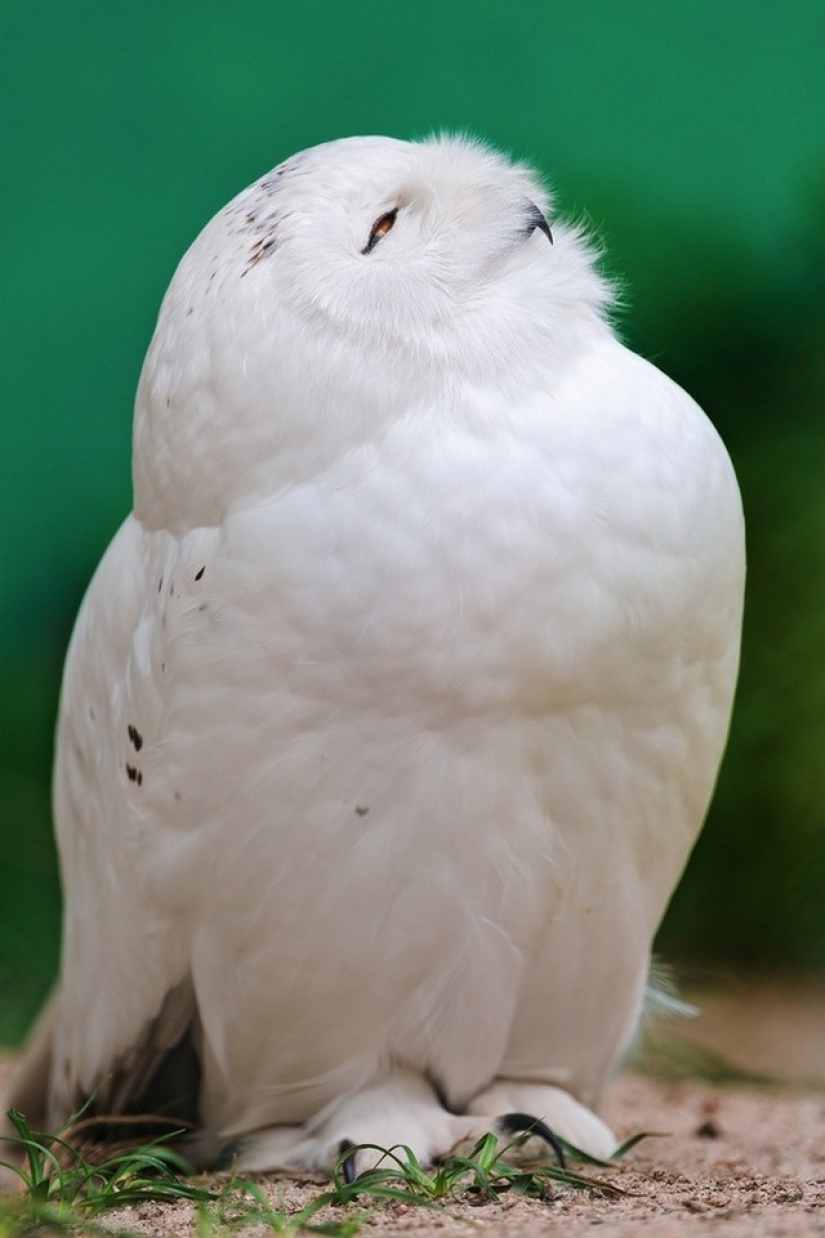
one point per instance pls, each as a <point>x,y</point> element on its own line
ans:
<point>123,999</point>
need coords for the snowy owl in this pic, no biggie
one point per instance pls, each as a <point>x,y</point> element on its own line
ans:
<point>394,708</point>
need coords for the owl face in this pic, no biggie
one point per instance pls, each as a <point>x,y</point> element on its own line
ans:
<point>391,240</point>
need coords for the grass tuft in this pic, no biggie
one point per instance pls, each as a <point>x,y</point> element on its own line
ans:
<point>63,1191</point>
<point>60,1190</point>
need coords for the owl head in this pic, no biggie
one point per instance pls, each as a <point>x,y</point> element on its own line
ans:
<point>357,281</point>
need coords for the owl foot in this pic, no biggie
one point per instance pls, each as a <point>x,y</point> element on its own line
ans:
<point>565,1115</point>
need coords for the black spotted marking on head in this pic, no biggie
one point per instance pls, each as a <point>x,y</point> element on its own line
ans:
<point>361,810</point>
<point>135,736</point>
<point>263,246</point>
<point>199,574</point>
<point>160,584</point>
<point>133,774</point>
<point>258,214</point>
<point>290,167</point>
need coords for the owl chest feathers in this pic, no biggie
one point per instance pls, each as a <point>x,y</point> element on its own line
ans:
<point>493,561</point>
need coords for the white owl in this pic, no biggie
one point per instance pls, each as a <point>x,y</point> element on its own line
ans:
<point>394,709</point>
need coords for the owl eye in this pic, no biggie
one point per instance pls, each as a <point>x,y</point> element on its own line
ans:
<point>380,229</point>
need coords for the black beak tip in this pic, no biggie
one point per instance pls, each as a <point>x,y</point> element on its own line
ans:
<point>536,220</point>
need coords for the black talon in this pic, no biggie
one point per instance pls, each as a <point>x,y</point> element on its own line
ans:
<point>515,1123</point>
<point>348,1163</point>
<point>228,1154</point>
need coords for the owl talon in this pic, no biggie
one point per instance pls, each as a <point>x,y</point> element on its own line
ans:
<point>516,1123</point>
<point>348,1168</point>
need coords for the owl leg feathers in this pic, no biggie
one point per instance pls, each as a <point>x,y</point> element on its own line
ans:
<point>355,1132</point>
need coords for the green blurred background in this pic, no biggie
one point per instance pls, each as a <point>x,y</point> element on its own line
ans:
<point>689,134</point>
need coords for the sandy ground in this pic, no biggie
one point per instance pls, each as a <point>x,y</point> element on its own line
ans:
<point>733,1159</point>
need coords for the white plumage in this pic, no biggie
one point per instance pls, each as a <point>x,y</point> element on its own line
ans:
<point>395,707</point>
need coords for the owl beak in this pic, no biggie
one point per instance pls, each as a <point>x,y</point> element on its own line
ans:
<point>534,219</point>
